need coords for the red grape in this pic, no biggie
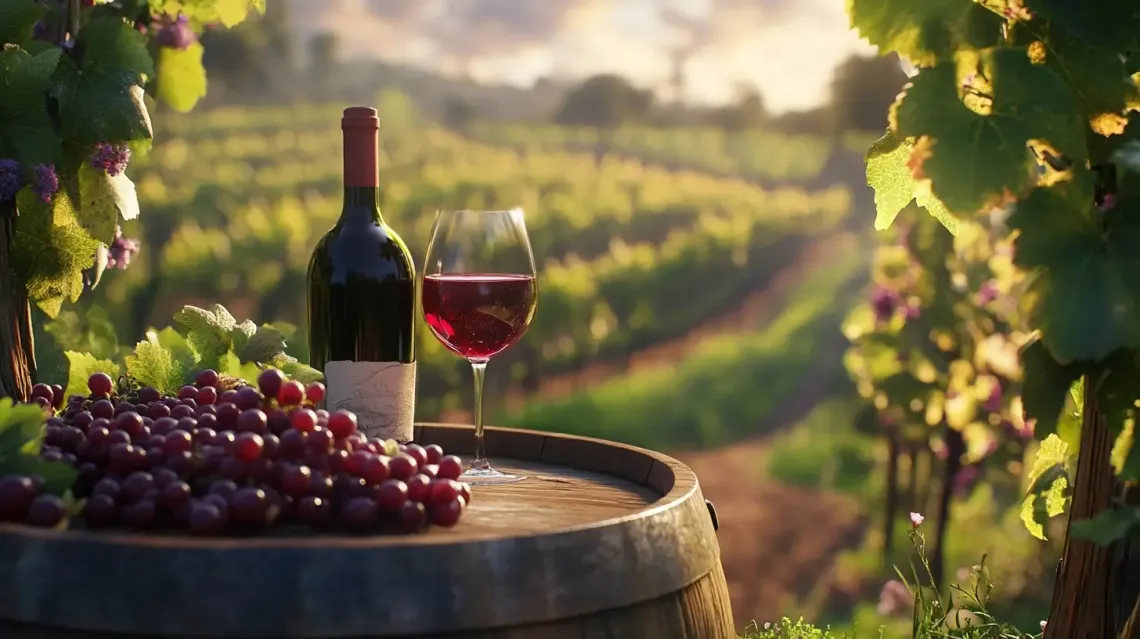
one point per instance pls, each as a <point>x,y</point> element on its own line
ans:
<point>303,419</point>
<point>315,392</point>
<point>206,396</point>
<point>250,506</point>
<point>417,452</point>
<point>148,395</point>
<point>252,421</point>
<point>44,391</point>
<point>291,393</point>
<point>100,511</point>
<point>158,410</point>
<point>175,495</point>
<point>187,392</point>
<point>359,513</point>
<point>391,494</point>
<point>375,469</point>
<point>100,384</point>
<point>16,495</point>
<point>450,467</point>
<point>465,492</point>
<point>177,441</point>
<point>57,396</point>
<point>207,377</point>
<point>46,511</point>
<point>434,453</point>
<point>206,519</point>
<point>247,398</point>
<point>447,515</point>
<point>419,488</point>
<point>129,422</point>
<point>296,480</point>
<point>248,446</point>
<point>342,423</point>
<point>402,466</point>
<point>314,510</point>
<point>103,408</point>
<point>413,516</point>
<point>270,381</point>
<point>135,486</point>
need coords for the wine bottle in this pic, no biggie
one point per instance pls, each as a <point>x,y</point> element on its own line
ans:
<point>361,296</point>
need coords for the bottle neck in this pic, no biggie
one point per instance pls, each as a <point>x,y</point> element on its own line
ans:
<point>361,174</point>
<point>361,203</point>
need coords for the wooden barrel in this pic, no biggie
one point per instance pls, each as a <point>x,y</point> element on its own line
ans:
<point>601,540</point>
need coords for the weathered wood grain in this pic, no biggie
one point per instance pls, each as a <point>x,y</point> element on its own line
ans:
<point>600,540</point>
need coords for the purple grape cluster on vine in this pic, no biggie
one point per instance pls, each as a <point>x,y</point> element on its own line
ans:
<point>46,182</point>
<point>111,158</point>
<point>9,179</point>
<point>176,34</point>
<point>121,251</point>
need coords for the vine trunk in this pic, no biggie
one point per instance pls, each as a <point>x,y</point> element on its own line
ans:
<point>1095,596</point>
<point>17,351</point>
<point>955,449</point>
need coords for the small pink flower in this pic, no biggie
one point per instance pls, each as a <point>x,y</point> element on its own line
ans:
<point>916,519</point>
<point>1042,626</point>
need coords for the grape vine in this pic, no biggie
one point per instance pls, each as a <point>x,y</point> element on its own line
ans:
<point>1021,120</point>
<point>76,78</point>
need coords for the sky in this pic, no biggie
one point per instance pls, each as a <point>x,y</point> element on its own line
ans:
<point>785,48</point>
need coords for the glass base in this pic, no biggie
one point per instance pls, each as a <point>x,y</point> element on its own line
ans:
<point>486,476</point>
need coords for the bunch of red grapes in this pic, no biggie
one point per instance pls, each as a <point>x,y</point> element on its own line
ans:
<point>236,462</point>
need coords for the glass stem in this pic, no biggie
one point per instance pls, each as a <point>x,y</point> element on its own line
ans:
<point>479,462</point>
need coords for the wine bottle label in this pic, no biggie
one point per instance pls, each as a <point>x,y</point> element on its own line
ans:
<point>381,394</point>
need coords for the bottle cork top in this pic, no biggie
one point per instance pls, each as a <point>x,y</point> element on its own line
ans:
<point>362,117</point>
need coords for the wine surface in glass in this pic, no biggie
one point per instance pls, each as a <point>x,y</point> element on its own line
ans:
<point>478,315</point>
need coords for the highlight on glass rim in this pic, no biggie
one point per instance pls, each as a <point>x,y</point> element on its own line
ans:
<point>629,318</point>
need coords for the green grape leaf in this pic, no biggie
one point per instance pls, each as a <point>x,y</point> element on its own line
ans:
<point>895,187</point>
<point>26,131</point>
<point>232,12</point>
<point>1045,387</point>
<point>101,99</point>
<point>181,77</point>
<point>180,349</point>
<point>242,333</point>
<point>924,32</point>
<point>51,249</point>
<point>265,344</point>
<point>230,364</point>
<point>1113,24</point>
<point>21,428</point>
<point>1052,453</point>
<point>1108,526</point>
<point>153,365</point>
<point>80,367</point>
<point>1098,75</point>
<point>1124,458</point>
<point>978,158</point>
<point>296,370</point>
<point>18,20</point>
<point>1039,507</point>
<point>101,201</point>
<point>1085,291</point>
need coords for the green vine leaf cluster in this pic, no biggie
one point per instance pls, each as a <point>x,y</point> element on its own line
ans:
<point>22,428</point>
<point>170,358</point>
<point>76,81</point>
<point>1022,117</point>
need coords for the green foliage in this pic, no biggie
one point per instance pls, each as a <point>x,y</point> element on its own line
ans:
<point>78,83</point>
<point>21,436</point>
<point>1025,120</point>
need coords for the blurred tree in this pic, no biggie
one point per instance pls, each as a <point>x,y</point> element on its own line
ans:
<point>605,101</point>
<point>254,58</point>
<point>747,112</point>
<point>324,56</point>
<point>457,113</point>
<point>862,90</point>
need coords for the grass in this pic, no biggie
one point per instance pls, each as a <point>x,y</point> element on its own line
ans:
<point>962,613</point>
<point>726,389</point>
<point>824,451</point>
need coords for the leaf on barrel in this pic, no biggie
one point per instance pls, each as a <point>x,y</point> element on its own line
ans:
<point>80,368</point>
<point>978,156</point>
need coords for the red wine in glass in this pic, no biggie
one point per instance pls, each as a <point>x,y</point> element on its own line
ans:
<point>479,296</point>
<point>478,315</point>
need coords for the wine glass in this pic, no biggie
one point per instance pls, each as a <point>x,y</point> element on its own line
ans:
<point>479,296</point>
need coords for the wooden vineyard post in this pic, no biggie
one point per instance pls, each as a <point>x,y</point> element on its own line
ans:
<point>17,354</point>
<point>1096,591</point>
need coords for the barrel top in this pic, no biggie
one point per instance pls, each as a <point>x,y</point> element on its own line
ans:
<point>594,526</point>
